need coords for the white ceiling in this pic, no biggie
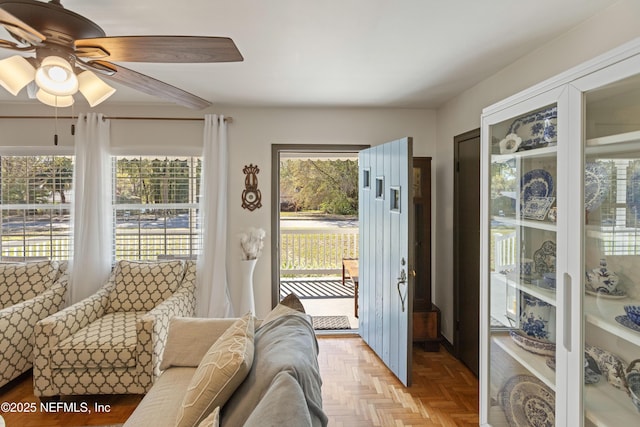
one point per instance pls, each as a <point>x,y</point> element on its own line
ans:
<point>402,53</point>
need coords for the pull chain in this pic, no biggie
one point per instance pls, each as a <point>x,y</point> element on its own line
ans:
<point>55,136</point>
<point>73,125</point>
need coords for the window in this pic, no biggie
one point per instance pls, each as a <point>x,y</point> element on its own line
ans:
<point>36,211</point>
<point>619,217</point>
<point>155,206</point>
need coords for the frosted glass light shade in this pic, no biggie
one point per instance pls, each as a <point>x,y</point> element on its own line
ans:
<point>15,73</point>
<point>93,88</point>
<point>56,77</point>
<point>54,100</point>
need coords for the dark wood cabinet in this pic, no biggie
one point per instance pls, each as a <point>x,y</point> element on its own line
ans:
<point>426,316</point>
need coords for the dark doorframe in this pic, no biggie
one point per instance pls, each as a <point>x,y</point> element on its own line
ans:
<point>276,150</point>
<point>466,246</point>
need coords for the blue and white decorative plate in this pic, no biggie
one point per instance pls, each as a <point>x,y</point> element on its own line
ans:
<point>527,402</point>
<point>537,207</point>
<point>625,321</point>
<point>616,294</point>
<point>633,191</point>
<point>535,183</point>
<point>597,182</point>
<point>537,129</point>
<point>545,257</point>
<point>532,345</point>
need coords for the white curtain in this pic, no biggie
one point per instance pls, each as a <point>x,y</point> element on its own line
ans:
<point>92,213</point>
<point>213,291</point>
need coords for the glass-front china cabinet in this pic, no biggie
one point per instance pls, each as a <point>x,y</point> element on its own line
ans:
<point>560,270</point>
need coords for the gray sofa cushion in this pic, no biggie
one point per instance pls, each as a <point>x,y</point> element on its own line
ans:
<point>286,344</point>
<point>271,412</point>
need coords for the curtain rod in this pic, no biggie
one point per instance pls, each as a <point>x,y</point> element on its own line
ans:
<point>226,119</point>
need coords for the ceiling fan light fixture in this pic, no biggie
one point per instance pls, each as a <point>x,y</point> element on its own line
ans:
<point>93,88</point>
<point>15,73</point>
<point>54,100</point>
<point>56,76</point>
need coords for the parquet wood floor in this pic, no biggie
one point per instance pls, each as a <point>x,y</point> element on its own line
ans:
<point>357,391</point>
<point>21,390</point>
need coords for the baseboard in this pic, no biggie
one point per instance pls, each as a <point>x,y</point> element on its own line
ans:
<point>447,345</point>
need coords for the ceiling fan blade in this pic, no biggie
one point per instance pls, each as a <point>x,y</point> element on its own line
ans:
<point>149,85</point>
<point>166,49</point>
<point>20,29</point>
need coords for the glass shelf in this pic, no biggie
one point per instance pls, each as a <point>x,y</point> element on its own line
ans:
<point>545,295</point>
<point>534,363</point>
<point>529,223</point>
<point>606,405</point>
<point>602,313</point>
<point>546,152</point>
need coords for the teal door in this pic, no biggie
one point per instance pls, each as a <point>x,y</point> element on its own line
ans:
<point>386,236</point>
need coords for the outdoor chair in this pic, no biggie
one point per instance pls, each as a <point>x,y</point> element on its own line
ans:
<point>112,341</point>
<point>29,292</point>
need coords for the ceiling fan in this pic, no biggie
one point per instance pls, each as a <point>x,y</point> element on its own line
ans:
<point>71,51</point>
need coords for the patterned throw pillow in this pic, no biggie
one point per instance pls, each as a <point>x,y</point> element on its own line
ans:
<point>141,286</point>
<point>20,282</point>
<point>220,372</point>
<point>213,420</point>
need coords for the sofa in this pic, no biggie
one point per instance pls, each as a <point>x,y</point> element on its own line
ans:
<point>112,341</point>
<point>29,292</point>
<point>276,383</point>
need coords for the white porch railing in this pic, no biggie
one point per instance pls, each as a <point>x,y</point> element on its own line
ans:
<point>316,250</point>
<point>505,251</point>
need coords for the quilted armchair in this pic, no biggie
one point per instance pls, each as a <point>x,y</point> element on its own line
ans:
<point>112,341</point>
<point>28,292</point>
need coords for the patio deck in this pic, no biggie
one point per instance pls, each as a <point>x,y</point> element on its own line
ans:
<point>316,288</point>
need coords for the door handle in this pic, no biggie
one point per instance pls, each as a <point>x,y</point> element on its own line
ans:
<point>402,280</point>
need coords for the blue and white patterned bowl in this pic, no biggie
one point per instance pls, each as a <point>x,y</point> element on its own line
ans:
<point>633,313</point>
<point>550,279</point>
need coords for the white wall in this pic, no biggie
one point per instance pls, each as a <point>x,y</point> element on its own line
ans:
<point>251,135</point>
<point>612,27</point>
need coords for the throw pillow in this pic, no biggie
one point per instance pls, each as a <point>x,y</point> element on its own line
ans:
<point>292,301</point>
<point>141,286</point>
<point>190,338</point>
<point>22,281</point>
<point>213,420</point>
<point>220,372</point>
<point>289,305</point>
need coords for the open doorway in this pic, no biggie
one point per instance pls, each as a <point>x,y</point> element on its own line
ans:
<point>315,228</point>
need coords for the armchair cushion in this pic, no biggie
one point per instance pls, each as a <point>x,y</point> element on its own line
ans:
<point>109,342</point>
<point>21,282</point>
<point>141,286</point>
